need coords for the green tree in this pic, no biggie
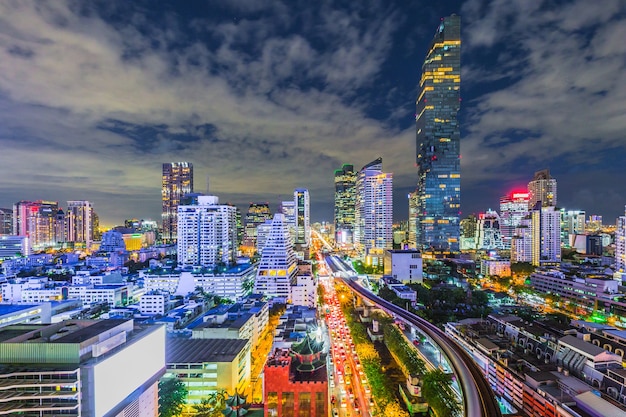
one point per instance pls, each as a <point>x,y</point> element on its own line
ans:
<point>437,390</point>
<point>172,396</point>
<point>212,405</point>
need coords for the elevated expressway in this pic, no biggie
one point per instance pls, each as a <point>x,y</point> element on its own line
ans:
<point>478,397</point>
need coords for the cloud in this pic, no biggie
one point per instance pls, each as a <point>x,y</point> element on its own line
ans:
<point>564,103</point>
<point>102,96</point>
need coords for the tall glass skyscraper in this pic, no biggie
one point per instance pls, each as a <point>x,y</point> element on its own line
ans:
<point>177,181</point>
<point>345,198</point>
<point>438,141</point>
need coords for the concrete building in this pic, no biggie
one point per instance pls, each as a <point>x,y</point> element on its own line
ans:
<point>13,246</point>
<point>513,208</point>
<point>620,246</point>
<point>296,381</point>
<point>404,265</point>
<point>278,267</point>
<point>499,267</point>
<point>488,231</point>
<point>207,234</point>
<point>206,366</point>
<point>234,283</point>
<point>345,200</point>
<point>24,314</point>
<point>373,227</point>
<point>546,236</point>
<point>258,213</point>
<point>542,189</point>
<point>69,368</point>
<point>177,181</point>
<point>79,223</point>
<point>302,207</point>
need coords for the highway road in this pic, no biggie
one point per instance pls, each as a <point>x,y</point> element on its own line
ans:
<point>479,399</point>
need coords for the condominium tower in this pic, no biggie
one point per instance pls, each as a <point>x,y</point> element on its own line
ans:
<point>542,188</point>
<point>374,209</point>
<point>207,233</point>
<point>257,214</point>
<point>438,141</point>
<point>345,194</point>
<point>79,222</point>
<point>177,181</point>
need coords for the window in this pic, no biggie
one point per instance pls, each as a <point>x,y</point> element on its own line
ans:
<point>304,404</point>
<point>287,404</point>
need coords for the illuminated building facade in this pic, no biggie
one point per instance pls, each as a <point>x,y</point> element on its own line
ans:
<point>278,266</point>
<point>373,225</point>
<point>207,233</point>
<point>6,221</point>
<point>296,381</point>
<point>37,220</point>
<point>303,216</point>
<point>412,224</point>
<point>345,199</point>
<point>177,181</point>
<point>257,214</point>
<point>438,141</point>
<point>542,188</point>
<point>69,368</point>
<point>79,222</point>
<point>546,236</point>
<point>572,224</point>
<point>488,231</point>
<point>513,208</point>
<point>521,242</point>
<point>620,245</point>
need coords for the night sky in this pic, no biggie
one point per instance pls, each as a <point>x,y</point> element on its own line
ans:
<point>267,96</point>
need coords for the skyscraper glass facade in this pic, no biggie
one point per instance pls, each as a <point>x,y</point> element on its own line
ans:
<point>345,195</point>
<point>438,141</point>
<point>177,180</point>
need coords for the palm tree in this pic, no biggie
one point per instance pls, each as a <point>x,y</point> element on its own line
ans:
<point>212,405</point>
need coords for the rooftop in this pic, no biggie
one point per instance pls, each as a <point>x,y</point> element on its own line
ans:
<point>202,350</point>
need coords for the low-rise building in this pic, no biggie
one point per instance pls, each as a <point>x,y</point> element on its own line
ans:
<point>206,366</point>
<point>404,265</point>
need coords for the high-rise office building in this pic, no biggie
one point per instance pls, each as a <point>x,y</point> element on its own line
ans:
<point>542,188</point>
<point>37,220</point>
<point>303,216</point>
<point>546,236</point>
<point>79,223</point>
<point>257,214</point>
<point>488,231</point>
<point>620,245</point>
<point>374,209</point>
<point>177,181</point>
<point>513,208</point>
<point>278,266</point>
<point>6,221</point>
<point>522,242</point>
<point>345,198</point>
<point>438,140</point>
<point>207,233</point>
<point>572,224</point>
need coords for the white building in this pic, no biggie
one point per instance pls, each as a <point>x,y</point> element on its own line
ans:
<point>153,303</point>
<point>304,292</point>
<point>513,208</point>
<point>278,267</point>
<point>521,243</point>
<point>572,224</point>
<point>546,236</point>
<point>82,368</point>
<point>115,295</point>
<point>404,265</point>
<point>492,267</point>
<point>234,283</point>
<point>488,231</point>
<point>262,233</point>
<point>13,246</point>
<point>207,233</point>
<point>374,209</point>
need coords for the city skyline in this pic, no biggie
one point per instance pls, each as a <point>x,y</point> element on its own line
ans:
<point>266,98</point>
